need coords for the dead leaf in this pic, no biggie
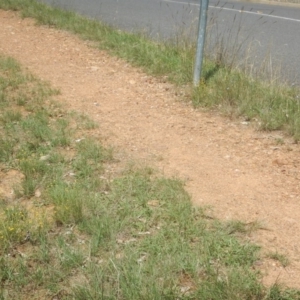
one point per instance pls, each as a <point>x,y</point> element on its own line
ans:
<point>153,203</point>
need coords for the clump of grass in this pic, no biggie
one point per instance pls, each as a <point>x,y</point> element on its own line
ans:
<point>85,122</point>
<point>276,292</point>
<point>239,227</point>
<point>284,261</point>
<point>14,224</point>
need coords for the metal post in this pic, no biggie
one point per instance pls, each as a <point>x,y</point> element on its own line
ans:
<point>201,40</point>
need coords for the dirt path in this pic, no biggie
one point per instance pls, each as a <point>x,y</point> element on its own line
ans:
<point>243,174</point>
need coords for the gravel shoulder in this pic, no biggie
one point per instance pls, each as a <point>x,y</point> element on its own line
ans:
<point>235,170</point>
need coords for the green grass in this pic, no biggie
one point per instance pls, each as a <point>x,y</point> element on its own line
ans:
<point>281,258</point>
<point>271,105</point>
<point>275,107</point>
<point>75,231</point>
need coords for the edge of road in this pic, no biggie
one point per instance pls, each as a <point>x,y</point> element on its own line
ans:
<point>288,3</point>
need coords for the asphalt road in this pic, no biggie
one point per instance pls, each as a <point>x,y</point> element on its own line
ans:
<point>270,34</point>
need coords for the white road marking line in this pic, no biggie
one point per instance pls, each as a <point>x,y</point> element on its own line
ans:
<point>237,10</point>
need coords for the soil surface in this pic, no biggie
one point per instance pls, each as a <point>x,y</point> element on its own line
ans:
<point>239,172</point>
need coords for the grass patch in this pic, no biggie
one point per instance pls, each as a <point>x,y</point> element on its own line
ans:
<point>275,107</point>
<point>281,258</point>
<point>73,231</point>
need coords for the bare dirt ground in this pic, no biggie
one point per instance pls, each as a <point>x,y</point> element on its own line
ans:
<point>239,172</point>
